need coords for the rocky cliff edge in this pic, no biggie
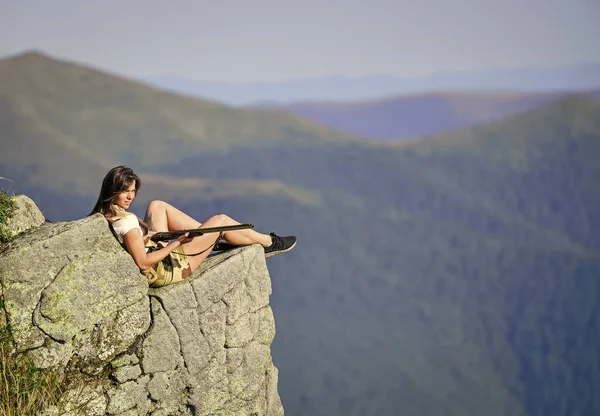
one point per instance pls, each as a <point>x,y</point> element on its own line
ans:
<point>76,303</point>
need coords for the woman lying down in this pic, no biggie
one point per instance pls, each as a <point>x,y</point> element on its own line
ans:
<point>175,261</point>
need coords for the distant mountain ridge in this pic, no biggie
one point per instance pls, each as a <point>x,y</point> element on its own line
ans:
<point>410,116</point>
<point>342,88</point>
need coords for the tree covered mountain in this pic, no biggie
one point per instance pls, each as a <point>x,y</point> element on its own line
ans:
<point>458,274</point>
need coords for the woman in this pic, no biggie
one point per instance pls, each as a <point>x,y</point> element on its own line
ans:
<point>179,258</point>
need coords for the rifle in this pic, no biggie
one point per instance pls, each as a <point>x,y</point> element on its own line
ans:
<point>195,232</point>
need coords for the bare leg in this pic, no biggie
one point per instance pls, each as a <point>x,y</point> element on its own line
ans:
<point>161,216</point>
<point>237,237</point>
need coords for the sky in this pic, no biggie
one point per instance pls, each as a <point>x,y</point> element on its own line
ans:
<point>278,40</point>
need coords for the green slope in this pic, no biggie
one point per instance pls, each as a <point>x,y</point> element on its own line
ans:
<point>114,118</point>
<point>63,126</point>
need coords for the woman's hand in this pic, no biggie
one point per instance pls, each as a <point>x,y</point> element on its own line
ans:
<point>183,238</point>
<point>135,246</point>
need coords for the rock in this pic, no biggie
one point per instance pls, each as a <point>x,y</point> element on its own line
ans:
<point>273,401</point>
<point>179,303</point>
<point>235,375</point>
<point>266,326</point>
<point>161,350</point>
<point>127,373</point>
<point>27,215</point>
<point>77,303</point>
<point>241,331</point>
<point>72,278</point>
<point>165,387</point>
<point>127,396</point>
<point>124,359</point>
<point>238,302</point>
<point>247,368</point>
<point>84,399</point>
<point>212,325</point>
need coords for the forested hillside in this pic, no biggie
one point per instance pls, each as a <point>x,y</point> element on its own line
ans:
<point>448,276</point>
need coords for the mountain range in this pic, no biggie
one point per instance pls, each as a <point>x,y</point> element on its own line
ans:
<point>447,275</point>
<point>413,116</point>
<point>343,88</point>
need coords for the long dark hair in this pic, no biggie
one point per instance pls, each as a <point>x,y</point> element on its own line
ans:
<point>117,180</point>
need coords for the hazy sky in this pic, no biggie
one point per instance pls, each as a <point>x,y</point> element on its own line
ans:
<point>278,40</point>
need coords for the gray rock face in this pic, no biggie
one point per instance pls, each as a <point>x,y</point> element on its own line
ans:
<point>76,301</point>
<point>222,358</point>
<point>73,285</point>
<point>27,215</point>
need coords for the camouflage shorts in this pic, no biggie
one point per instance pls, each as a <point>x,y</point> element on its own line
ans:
<point>167,271</point>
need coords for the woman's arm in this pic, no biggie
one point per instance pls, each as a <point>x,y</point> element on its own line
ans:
<point>135,245</point>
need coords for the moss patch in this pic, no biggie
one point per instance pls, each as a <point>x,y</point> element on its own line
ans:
<point>7,210</point>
